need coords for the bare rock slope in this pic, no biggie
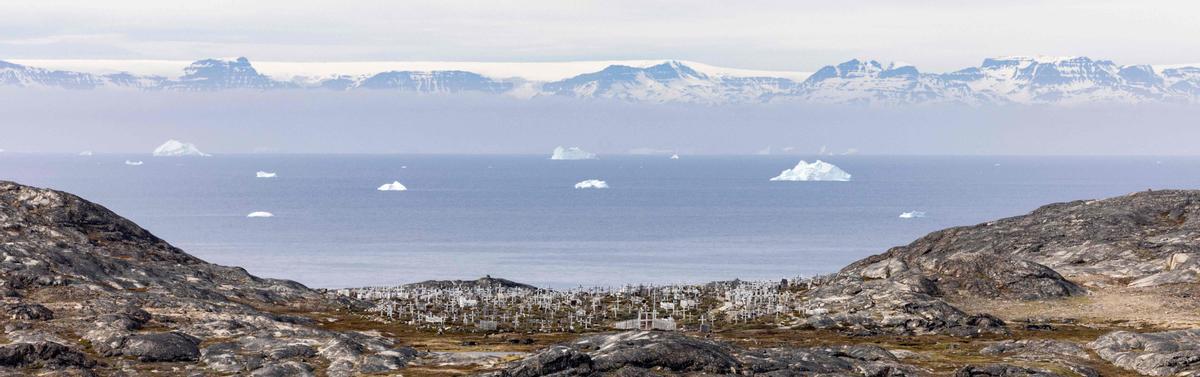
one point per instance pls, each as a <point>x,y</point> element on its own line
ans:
<point>1144,239</point>
<point>87,290</point>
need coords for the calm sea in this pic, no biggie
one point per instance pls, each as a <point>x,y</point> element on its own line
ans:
<point>696,219</point>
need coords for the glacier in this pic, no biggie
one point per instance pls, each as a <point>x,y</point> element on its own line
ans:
<point>176,148</point>
<point>912,214</point>
<point>572,153</point>
<point>260,214</point>
<point>394,186</point>
<point>816,171</point>
<point>591,184</point>
<point>263,174</point>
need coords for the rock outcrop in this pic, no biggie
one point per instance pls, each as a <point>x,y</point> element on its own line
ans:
<point>1166,353</point>
<point>1143,239</point>
<point>637,353</point>
<point>86,289</point>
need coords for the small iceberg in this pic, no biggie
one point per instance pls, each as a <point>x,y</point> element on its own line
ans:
<point>912,215</point>
<point>263,174</point>
<point>133,163</point>
<point>260,214</point>
<point>592,184</point>
<point>675,156</point>
<point>572,153</point>
<point>85,153</point>
<point>817,171</point>
<point>394,186</point>
<point>176,148</point>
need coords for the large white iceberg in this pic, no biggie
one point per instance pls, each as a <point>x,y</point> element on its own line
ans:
<point>592,184</point>
<point>394,186</point>
<point>86,153</point>
<point>133,163</point>
<point>260,214</point>
<point>176,148</point>
<point>817,171</point>
<point>912,214</point>
<point>675,156</point>
<point>572,153</point>
<point>263,174</point>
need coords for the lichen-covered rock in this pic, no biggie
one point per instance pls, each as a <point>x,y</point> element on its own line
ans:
<point>1154,354</point>
<point>170,346</point>
<point>1002,370</point>
<point>860,306</point>
<point>27,311</point>
<point>284,369</point>
<point>637,353</point>
<point>42,355</point>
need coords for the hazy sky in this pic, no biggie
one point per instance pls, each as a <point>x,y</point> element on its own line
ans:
<point>778,35</point>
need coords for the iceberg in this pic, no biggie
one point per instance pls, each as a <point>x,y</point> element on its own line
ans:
<point>394,186</point>
<point>176,148</point>
<point>260,214</point>
<point>912,214</point>
<point>572,153</point>
<point>85,153</point>
<point>675,156</point>
<point>133,163</point>
<point>817,171</point>
<point>263,174</point>
<point>592,184</point>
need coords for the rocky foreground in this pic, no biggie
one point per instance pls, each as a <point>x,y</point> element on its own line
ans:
<point>1087,288</point>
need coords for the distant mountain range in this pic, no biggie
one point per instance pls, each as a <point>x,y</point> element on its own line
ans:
<point>997,81</point>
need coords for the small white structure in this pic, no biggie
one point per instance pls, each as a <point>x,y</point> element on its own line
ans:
<point>260,214</point>
<point>133,163</point>
<point>263,174</point>
<point>572,153</point>
<point>592,184</point>
<point>647,321</point>
<point>912,214</point>
<point>394,186</point>
<point>176,148</point>
<point>817,171</point>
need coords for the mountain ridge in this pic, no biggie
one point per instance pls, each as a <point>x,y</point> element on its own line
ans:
<point>1009,80</point>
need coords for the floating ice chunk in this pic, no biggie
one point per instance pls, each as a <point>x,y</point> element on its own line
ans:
<point>263,174</point>
<point>394,186</point>
<point>817,171</point>
<point>592,184</point>
<point>260,214</point>
<point>133,163</point>
<point>572,153</point>
<point>675,156</point>
<point>912,214</point>
<point>176,148</point>
<point>85,153</point>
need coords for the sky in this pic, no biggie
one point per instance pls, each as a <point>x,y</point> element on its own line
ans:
<point>792,36</point>
<point>768,35</point>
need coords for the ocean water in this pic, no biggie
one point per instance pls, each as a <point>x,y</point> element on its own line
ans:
<point>697,219</point>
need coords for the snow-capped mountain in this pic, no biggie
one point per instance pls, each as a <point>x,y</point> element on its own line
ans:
<point>222,74</point>
<point>432,82</point>
<point>16,75</point>
<point>671,81</point>
<point>871,82</point>
<point>997,81</point>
